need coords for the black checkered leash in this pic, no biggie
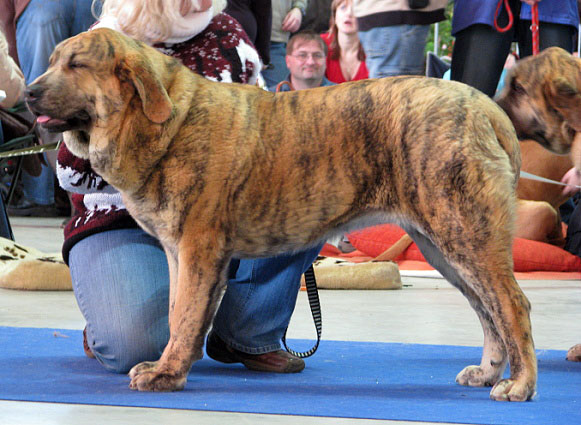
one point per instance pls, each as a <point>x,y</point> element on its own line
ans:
<point>314,303</point>
<point>311,284</point>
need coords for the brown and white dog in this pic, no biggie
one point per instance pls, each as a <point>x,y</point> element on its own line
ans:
<point>220,170</point>
<point>542,97</point>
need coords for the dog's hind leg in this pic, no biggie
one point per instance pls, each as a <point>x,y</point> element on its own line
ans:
<point>194,298</point>
<point>494,356</point>
<point>486,279</point>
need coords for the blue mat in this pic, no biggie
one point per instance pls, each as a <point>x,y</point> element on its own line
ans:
<point>344,379</point>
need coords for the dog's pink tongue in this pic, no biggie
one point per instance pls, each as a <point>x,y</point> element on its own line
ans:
<point>42,119</point>
<point>45,120</point>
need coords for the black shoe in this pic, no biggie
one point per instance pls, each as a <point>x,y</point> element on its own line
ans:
<point>26,208</point>
<point>276,361</point>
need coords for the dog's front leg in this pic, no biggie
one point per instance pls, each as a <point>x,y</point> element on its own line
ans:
<point>194,297</point>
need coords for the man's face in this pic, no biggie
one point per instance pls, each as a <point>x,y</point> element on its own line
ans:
<point>307,61</point>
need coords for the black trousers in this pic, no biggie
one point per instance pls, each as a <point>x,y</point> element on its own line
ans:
<point>480,51</point>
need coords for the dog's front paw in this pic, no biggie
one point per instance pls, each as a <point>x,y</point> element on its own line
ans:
<point>146,377</point>
<point>141,368</point>
<point>512,390</point>
<point>476,376</point>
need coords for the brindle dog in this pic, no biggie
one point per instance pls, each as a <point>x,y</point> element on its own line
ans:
<point>218,170</point>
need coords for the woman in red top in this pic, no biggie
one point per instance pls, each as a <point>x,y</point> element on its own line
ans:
<point>346,58</point>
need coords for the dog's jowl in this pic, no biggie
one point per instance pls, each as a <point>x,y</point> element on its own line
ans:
<point>220,170</point>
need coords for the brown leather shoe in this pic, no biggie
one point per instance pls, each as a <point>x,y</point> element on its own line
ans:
<point>86,347</point>
<point>276,361</point>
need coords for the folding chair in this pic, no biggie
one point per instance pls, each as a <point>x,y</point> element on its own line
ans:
<point>435,66</point>
<point>19,134</point>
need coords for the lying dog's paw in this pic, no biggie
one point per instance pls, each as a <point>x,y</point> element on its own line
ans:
<point>146,377</point>
<point>475,376</point>
<point>512,390</point>
<point>574,353</point>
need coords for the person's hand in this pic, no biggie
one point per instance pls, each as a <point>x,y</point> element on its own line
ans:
<point>530,2</point>
<point>292,20</point>
<point>573,177</point>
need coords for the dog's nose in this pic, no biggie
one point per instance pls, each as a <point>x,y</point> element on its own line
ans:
<point>33,92</point>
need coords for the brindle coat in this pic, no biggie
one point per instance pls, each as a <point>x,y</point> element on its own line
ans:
<point>542,96</point>
<point>220,170</point>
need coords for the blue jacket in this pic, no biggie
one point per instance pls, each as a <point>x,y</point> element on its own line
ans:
<point>470,12</point>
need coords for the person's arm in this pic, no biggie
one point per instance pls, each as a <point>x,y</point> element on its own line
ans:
<point>571,177</point>
<point>11,77</point>
<point>293,19</point>
<point>530,2</point>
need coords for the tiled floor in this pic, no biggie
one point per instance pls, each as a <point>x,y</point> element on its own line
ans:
<point>426,311</point>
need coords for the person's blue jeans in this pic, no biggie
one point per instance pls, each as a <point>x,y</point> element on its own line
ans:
<point>277,71</point>
<point>260,299</point>
<point>121,282</point>
<point>395,50</point>
<point>42,25</point>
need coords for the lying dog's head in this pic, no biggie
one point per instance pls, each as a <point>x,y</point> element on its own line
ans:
<point>91,80</point>
<point>542,97</point>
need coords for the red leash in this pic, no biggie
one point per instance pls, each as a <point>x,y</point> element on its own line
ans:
<point>535,27</point>
<point>534,24</point>
<point>510,17</point>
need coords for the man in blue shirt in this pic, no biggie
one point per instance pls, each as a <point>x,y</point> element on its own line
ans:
<point>306,55</point>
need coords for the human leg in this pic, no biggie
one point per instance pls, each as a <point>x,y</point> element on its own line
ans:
<point>277,71</point>
<point>42,25</point>
<point>479,55</point>
<point>394,50</point>
<point>259,301</point>
<point>573,240</point>
<point>262,10</point>
<point>120,279</point>
<point>83,16</point>
<point>412,47</point>
<point>549,35</point>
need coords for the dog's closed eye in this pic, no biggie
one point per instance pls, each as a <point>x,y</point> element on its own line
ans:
<point>75,62</point>
<point>76,65</point>
<point>517,88</point>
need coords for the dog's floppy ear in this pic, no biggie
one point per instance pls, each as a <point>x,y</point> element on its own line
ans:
<point>565,98</point>
<point>155,101</point>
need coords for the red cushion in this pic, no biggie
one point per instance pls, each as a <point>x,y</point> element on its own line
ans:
<point>528,255</point>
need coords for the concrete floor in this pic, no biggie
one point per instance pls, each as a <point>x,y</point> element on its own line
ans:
<point>426,311</point>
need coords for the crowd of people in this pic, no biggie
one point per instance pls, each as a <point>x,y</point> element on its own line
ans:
<point>111,259</point>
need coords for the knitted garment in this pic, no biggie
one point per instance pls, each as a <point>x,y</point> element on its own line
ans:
<point>222,52</point>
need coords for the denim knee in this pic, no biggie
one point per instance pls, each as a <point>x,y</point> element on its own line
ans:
<point>118,350</point>
<point>120,279</point>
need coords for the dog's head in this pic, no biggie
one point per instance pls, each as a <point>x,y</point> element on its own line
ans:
<point>542,97</point>
<point>91,81</point>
